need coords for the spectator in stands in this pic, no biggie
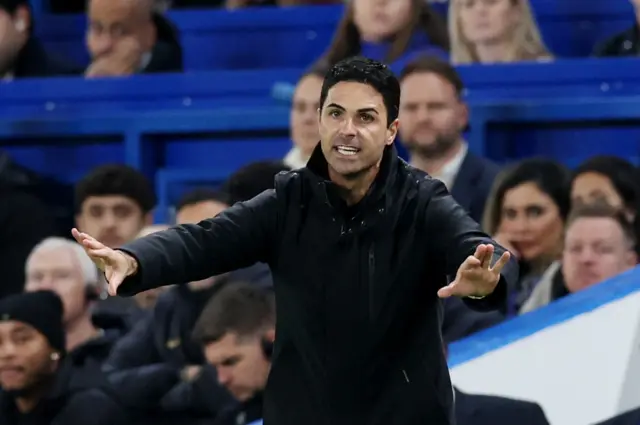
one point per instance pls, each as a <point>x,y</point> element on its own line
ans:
<point>490,31</point>
<point>625,43</point>
<point>39,384</point>
<point>599,244</point>
<point>433,116</point>
<point>606,179</point>
<point>127,37</point>
<point>61,265</point>
<point>391,31</point>
<point>21,54</point>
<point>147,300</point>
<point>115,202</point>
<point>304,117</point>
<point>526,212</point>
<point>237,330</point>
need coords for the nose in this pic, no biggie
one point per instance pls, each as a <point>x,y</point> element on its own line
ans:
<point>519,225</point>
<point>224,377</point>
<point>348,129</point>
<point>102,44</point>
<point>423,115</point>
<point>587,256</point>
<point>109,220</point>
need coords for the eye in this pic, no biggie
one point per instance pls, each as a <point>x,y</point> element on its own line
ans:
<point>366,117</point>
<point>334,113</point>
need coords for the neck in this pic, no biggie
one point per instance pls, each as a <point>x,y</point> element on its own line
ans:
<point>80,332</point>
<point>492,52</point>
<point>353,190</point>
<point>432,164</point>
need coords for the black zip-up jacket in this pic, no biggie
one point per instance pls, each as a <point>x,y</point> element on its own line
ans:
<point>358,320</point>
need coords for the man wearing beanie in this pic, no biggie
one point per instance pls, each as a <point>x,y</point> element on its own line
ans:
<point>39,386</point>
<point>21,55</point>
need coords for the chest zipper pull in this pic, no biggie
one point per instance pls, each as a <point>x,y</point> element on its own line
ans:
<point>406,377</point>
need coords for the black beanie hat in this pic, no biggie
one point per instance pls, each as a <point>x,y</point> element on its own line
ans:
<point>42,310</point>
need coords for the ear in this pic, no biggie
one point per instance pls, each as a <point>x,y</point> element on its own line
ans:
<point>462,116</point>
<point>392,132</point>
<point>148,219</point>
<point>270,335</point>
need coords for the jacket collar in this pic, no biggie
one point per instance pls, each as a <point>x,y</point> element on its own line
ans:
<point>319,170</point>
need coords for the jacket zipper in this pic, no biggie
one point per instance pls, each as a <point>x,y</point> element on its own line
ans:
<point>372,275</point>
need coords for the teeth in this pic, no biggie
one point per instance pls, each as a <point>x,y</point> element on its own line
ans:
<point>347,150</point>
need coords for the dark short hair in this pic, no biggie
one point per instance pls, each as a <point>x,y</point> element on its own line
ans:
<point>604,210</point>
<point>202,194</point>
<point>252,179</point>
<point>366,71</point>
<point>116,180</point>
<point>433,65</point>
<point>622,174</point>
<point>241,308</point>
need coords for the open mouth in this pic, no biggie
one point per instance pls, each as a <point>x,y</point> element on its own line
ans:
<point>347,150</point>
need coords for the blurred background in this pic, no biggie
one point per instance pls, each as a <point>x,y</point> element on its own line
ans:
<point>124,117</point>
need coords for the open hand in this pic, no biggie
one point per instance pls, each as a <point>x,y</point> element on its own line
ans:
<point>116,265</point>
<point>476,277</point>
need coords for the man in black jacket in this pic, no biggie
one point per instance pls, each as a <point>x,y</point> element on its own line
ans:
<point>40,385</point>
<point>237,329</point>
<point>361,246</point>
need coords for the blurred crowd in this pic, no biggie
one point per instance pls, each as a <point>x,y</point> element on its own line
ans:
<point>199,353</point>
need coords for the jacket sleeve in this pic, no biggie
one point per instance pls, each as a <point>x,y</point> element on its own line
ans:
<point>453,236</point>
<point>239,237</point>
<point>92,407</point>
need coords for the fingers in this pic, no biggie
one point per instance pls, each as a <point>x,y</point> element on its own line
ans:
<point>502,261</point>
<point>488,256</point>
<point>88,242</point>
<point>447,291</point>
<point>114,280</point>
<point>484,254</point>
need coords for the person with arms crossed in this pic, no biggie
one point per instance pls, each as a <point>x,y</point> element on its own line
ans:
<point>361,247</point>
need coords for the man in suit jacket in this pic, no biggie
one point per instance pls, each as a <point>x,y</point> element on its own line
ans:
<point>433,117</point>
<point>475,409</point>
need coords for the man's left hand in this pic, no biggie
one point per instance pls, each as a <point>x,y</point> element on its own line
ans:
<point>476,278</point>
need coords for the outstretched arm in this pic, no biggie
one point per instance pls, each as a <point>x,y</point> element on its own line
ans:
<point>481,267</point>
<point>239,237</point>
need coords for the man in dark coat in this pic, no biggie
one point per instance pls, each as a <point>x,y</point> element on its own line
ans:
<point>40,385</point>
<point>361,246</point>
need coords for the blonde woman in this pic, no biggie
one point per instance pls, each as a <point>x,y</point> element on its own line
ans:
<point>494,31</point>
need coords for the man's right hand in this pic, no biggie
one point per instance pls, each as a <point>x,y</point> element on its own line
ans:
<point>116,265</point>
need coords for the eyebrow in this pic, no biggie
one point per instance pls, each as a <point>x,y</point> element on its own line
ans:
<point>362,110</point>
